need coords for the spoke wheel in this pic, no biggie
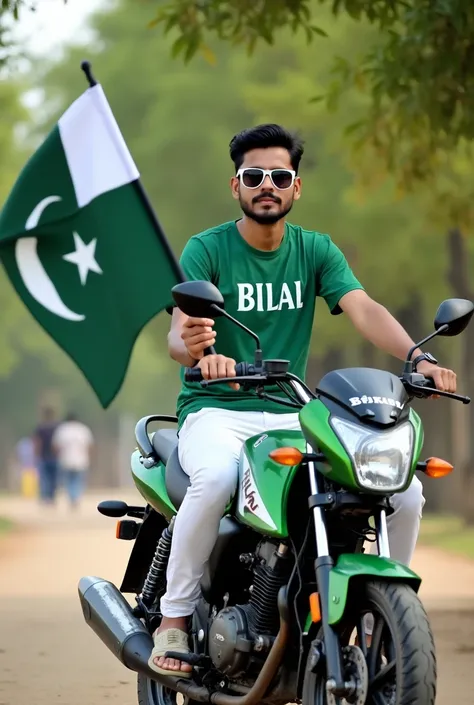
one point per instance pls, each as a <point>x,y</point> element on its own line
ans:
<point>400,654</point>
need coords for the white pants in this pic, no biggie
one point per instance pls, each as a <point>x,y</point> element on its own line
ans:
<point>210,442</point>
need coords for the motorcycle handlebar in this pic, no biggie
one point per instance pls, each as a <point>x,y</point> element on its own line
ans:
<point>247,369</point>
<point>242,369</point>
<point>428,384</point>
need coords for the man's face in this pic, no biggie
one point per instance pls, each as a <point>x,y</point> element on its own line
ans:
<point>269,202</point>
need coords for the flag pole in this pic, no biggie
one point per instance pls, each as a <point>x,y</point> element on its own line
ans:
<point>87,68</point>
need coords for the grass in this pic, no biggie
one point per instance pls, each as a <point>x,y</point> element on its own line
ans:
<point>5,525</point>
<point>448,533</point>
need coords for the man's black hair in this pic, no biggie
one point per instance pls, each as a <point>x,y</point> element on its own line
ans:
<point>263,136</point>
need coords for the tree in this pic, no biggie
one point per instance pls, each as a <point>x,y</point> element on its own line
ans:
<point>417,71</point>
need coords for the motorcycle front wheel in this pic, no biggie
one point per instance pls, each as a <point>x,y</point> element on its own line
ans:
<point>400,654</point>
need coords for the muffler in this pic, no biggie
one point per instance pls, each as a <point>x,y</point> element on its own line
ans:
<point>108,613</point>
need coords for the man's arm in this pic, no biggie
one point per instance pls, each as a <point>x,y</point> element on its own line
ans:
<point>187,340</point>
<point>378,326</point>
<point>189,337</point>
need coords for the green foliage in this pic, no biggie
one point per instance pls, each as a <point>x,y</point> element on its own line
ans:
<point>6,525</point>
<point>238,21</point>
<point>447,533</point>
<point>418,72</point>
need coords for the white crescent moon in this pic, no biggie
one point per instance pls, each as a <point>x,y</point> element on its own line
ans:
<point>34,274</point>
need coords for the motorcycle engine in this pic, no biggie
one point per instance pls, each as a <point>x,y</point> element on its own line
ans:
<point>240,634</point>
<point>230,644</point>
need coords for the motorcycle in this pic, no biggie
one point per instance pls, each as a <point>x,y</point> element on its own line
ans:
<point>293,608</point>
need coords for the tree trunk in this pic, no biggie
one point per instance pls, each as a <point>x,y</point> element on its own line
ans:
<point>458,276</point>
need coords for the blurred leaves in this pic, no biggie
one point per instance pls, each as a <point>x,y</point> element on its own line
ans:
<point>416,71</point>
<point>418,74</point>
<point>12,10</point>
<point>241,22</point>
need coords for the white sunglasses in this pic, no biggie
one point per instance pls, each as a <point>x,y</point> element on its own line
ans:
<point>253,177</point>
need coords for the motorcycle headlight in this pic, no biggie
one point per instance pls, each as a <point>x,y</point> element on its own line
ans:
<point>381,459</point>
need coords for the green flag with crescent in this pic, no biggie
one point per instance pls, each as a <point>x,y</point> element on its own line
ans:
<point>82,247</point>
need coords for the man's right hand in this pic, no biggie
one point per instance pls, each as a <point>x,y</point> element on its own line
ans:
<point>198,335</point>
<point>217,367</point>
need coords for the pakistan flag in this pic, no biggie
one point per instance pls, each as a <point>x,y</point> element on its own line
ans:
<point>81,246</point>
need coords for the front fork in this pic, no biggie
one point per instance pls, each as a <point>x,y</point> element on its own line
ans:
<point>323,565</point>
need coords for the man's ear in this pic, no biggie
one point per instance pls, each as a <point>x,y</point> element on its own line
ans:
<point>235,188</point>
<point>297,191</point>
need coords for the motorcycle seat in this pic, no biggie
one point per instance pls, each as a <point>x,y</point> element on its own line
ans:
<point>165,443</point>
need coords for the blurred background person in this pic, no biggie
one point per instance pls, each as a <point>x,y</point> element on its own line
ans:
<point>25,455</point>
<point>72,442</point>
<point>45,455</point>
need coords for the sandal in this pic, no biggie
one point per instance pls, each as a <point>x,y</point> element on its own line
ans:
<point>169,640</point>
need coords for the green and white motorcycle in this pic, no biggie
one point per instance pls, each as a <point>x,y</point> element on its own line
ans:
<point>288,594</point>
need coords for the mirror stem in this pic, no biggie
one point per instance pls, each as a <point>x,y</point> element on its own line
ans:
<point>408,369</point>
<point>221,311</point>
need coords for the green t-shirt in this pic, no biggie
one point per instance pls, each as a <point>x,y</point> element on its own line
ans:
<point>272,293</point>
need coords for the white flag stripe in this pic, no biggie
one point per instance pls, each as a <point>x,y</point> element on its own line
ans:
<point>96,153</point>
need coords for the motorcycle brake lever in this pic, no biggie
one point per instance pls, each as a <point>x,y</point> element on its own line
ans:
<point>429,391</point>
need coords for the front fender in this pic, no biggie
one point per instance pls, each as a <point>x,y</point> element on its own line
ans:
<point>355,565</point>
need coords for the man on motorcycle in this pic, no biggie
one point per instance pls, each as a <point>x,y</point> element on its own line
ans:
<point>270,273</point>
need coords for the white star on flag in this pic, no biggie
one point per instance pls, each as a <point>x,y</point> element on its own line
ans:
<point>84,257</point>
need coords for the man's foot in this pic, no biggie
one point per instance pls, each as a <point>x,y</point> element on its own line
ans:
<point>170,636</point>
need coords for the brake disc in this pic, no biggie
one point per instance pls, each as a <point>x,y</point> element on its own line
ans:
<point>356,673</point>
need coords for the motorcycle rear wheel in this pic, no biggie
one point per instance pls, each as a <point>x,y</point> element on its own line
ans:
<point>152,693</point>
<point>401,659</point>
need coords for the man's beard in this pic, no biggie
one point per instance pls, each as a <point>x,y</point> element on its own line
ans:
<point>265,218</point>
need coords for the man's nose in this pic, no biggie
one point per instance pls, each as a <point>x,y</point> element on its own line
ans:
<point>267,184</point>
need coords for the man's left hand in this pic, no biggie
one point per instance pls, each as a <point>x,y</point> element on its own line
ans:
<point>444,379</point>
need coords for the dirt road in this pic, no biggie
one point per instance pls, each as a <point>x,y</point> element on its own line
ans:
<point>48,654</point>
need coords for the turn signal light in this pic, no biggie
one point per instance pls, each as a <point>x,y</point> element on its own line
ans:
<point>436,467</point>
<point>127,529</point>
<point>287,456</point>
<point>315,607</point>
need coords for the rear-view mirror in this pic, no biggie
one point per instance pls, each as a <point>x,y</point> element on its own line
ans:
<point>454,313</point>
<point>198,299</point>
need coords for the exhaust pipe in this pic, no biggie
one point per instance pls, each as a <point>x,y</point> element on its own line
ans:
<point>110,616</point>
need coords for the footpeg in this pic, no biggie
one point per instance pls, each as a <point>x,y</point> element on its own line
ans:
<point>191,659</point>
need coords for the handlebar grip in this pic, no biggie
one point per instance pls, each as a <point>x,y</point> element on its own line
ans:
<point>193,374</point>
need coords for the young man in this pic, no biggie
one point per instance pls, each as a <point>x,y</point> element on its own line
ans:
<point>73,442</point>
<point>45,455</point>
<point>270,273</point>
